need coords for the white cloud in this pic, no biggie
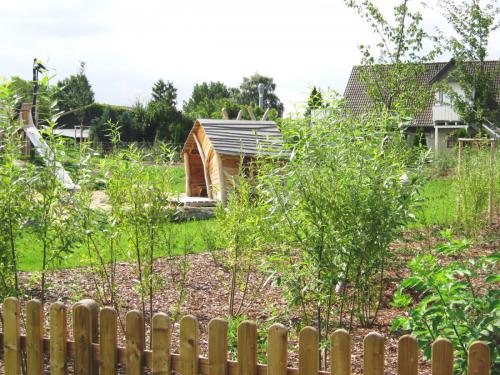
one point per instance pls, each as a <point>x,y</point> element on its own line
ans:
<point>127,45</point>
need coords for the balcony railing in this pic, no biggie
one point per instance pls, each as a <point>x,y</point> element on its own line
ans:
<point>444,112</point>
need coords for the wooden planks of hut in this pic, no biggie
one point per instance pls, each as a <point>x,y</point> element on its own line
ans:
<point>214,151</point>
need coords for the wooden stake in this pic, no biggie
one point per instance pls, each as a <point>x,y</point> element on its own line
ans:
<point>251,114</point>
<point>264,116</point>
<point>492,181</point>
<point>225,116</point>
<point>188,174</point>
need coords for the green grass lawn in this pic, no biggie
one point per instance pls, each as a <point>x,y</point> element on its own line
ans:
<point>438,205</point>
<point>437,208</point>
<point>188,236</point>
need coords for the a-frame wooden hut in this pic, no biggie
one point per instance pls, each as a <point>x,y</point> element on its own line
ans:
<point>214,150</point>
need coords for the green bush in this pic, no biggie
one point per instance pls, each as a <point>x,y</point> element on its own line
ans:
<point>473,186</point>
<point>455,298</point>
<point>346,191</point>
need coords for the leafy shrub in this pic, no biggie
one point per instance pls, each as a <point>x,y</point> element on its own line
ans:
<point>344,194</point>
<point>473,184</point>
<point>457,299</point>
<point>443,164</point>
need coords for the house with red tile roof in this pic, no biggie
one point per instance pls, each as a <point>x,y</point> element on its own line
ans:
<point>438,121</point>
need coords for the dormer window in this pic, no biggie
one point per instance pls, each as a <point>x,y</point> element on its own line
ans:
<point>442,98</point>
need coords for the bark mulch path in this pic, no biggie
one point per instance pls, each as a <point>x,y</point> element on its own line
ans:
<point>207,296</point>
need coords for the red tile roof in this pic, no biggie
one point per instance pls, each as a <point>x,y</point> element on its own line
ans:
<point>358,102</point>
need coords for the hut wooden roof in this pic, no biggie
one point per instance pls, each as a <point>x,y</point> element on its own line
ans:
<point>239,137</point>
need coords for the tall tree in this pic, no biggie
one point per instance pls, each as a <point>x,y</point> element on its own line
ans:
<point>164,92</point>
<point>392,76</point>
<point>207,100</point>
<point>315,101</point>
<point>472,23</point>
<point>75,92</point>
<point>162,120</point>
<point>249,94</point>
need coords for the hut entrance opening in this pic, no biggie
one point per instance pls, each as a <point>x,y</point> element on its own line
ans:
<point>198,183</point>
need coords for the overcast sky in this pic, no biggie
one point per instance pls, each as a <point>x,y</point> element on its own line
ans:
<point>128,45</point>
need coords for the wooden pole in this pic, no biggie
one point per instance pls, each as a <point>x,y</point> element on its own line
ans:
<point>492,180</point>
<point>187,170</point>
<point>265,115</point>
<point>251,114</point>
<point>224,114</point>
<point>222,182</point>
<point>459,168</point>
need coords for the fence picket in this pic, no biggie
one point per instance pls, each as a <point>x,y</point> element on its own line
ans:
<point>161,344</point>
<point>34,337</point>
<point>189,345</point>
<point>277,350</point>
<point>108,341</point>
<point>134,334</point>
<point>247,348</point>
<point>58,339</point>
<point>82,332</point>
<point>12,337</point>
<point>442,357</point>
<point>479,359</point>
<point>100,339</point>
<point>341,346</point>
<point>407,355</point>
<point>308,351</point>
<point>373,347</point>
<point>217,347</point>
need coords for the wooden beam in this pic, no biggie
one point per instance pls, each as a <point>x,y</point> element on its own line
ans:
<point>264,116</point>
<point>220,167</point>
<point>251,114</point>
<point>205,167</point>
<point>224,114</point>
<point>492,181</point>
<point>187,171</point>
<point>240,115</point>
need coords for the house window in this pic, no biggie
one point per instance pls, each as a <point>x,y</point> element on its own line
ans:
<point>440,98</point>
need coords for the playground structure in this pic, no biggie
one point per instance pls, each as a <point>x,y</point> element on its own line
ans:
<point>33,137</point>
<point>215,151</point>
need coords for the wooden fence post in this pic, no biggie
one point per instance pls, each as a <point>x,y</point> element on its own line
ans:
<point>442,357</point>
<point>34,337</point>
<point>491,173</point>
<point>277,350</point>
<point>479,359</point>
<point>407,355</point>
<point>161,332</point>
<point>308,351</point>
<point>12,336</point>
<point>373,347</point>
<point>189,345</point>
<point>82,332</point>
<point>217,347</point>
<point>247,348</point>
<point>134,333</point>
<point>58,339</point>
<point>108,341</point>
<point>341,346</point>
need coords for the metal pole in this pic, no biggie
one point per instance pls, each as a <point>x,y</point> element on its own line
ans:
<point>35,89</point>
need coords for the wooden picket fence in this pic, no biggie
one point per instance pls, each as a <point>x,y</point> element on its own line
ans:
<point>95,349</point>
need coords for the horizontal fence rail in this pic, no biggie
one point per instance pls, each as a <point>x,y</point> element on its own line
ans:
<point>95,349</point>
